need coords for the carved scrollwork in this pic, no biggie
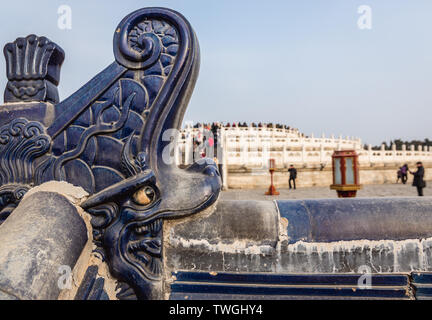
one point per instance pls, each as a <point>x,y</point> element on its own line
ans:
<point>100,127</point>
<point>102,216</point>
<point>108,138</point>
<point>141,39</point>
<point>21,142</point>
<point>10,196</point>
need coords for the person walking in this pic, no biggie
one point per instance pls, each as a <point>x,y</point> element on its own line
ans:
<point>419,179</point>
<point>292,176</point>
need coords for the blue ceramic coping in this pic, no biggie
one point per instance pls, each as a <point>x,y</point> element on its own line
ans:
<point>199,284</point>
<point>287,279</point>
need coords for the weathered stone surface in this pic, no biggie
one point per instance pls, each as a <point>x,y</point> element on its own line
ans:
<point>43,233</point>
<point>41,111</point>
<point>235,237</point>
<point>6,296</point>
<point>234,221</point>
<point>315,236</point>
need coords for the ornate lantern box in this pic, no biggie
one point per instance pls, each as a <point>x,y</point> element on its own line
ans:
<point>272,190</point>
<point>345,173</point>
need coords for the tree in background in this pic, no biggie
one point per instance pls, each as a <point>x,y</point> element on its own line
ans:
<point>399,142</point>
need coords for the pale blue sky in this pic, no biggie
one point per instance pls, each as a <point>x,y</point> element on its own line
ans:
<point>304,63</point>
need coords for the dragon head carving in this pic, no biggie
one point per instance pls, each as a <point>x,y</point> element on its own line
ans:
<point>115,137</point>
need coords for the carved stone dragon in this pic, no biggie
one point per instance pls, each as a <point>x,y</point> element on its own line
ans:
<point>110,138</point>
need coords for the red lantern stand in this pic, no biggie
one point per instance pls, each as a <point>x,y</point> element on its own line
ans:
<point>272,190</point>
<point>345,173</point>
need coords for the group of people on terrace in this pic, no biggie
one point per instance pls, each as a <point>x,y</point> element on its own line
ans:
<point>418,180</point>
<point>211,126</point>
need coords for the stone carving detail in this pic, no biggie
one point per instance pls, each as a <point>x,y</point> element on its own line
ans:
<point>21,143</point>
<point>10,196</point>
<point>33,69</point>
<point>145,42</point>
<point>108,138</point>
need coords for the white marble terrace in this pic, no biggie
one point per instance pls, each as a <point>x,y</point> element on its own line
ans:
<point>251,147</point>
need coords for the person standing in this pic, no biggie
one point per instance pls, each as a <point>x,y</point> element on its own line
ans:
<point>419,179</point>
<point>399,175</point>
<point>404,173</point>
<point>292,176</point>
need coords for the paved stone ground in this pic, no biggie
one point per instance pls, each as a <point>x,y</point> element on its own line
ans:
<point>383,190</point>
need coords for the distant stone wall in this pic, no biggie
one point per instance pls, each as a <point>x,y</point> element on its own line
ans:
<point>308,177</point>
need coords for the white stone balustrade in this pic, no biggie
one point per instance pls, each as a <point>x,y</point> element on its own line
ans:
<point>251,147</point>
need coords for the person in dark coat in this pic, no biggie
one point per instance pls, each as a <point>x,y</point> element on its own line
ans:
<point>404,173</point>
<point>399,175</point>
<point>419,179</point>
<point>292,176</point>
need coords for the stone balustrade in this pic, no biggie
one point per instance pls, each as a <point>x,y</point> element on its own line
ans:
<point>245,151</point>
<point>251,147</point>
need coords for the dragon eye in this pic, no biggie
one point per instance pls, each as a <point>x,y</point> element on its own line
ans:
<point>145,196</point>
